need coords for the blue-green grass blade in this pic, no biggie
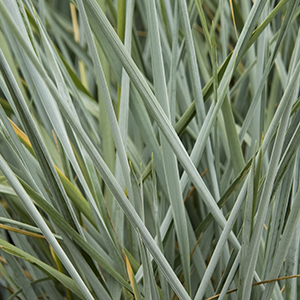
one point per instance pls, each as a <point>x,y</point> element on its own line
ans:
<point>65,280</point>
<point>43,226</point>
<point>169,158</point>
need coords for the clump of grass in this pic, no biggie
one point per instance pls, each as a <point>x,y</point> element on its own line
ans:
<point>149,149</point>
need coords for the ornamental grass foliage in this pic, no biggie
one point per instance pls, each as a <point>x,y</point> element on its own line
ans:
<point>149,149</point>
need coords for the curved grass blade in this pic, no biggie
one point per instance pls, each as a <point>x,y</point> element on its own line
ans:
<point>156,110</point>
<point>19,277</point>
<point>43,226</point>
<point>99,255</point>
<point>65,280</point>
<point>103,169</point>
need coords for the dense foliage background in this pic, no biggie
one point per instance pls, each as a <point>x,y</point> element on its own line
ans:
<point>149,149</point>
